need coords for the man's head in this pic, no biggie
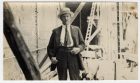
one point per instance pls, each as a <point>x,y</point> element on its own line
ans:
<point>65,16</point>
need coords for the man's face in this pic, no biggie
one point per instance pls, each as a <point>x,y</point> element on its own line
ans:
<point>66,19</point>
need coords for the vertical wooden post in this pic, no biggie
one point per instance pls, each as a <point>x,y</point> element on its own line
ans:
<point>118,29</point>
<point>115,74</point>
<point>37,32</point>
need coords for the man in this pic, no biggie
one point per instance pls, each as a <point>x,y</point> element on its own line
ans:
<point>64,48</point>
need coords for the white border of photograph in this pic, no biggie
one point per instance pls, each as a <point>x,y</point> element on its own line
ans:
<point>45,81</point>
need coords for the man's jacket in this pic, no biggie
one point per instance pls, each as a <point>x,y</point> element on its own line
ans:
<point>54,44</point>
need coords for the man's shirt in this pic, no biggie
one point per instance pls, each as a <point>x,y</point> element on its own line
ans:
<point>63,34</point>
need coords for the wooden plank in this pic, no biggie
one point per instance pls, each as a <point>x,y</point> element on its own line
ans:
<point>50,75</point>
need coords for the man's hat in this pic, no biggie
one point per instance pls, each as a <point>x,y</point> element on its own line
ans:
<point>65,11</point>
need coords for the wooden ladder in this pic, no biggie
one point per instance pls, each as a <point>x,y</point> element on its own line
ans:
<point>91,22</point>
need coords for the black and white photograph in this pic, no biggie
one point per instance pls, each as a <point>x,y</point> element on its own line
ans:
<point>88,40</point>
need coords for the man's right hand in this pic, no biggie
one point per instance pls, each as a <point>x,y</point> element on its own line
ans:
<point>54,60</point>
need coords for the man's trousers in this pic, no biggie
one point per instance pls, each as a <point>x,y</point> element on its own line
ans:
<point>67,60</point>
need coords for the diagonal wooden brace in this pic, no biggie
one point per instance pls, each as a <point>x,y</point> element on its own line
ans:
<point>19,47</point>
<point>77,11</point>
<point>94,34</point>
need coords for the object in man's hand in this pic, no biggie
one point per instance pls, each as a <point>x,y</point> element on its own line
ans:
<point>54,62</point>
<point>75,50</point>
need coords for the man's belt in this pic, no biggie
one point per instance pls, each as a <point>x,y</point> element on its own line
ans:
<point>63,48</point>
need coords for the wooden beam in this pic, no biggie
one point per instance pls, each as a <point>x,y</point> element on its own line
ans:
<point>50,75</point>
<point>115,74</point>
<point>43,61</point>
<point>118,29</point>
<point>18,46</point>
<point>77,11</point>
<point>94,34</point>
<point>92,22</point>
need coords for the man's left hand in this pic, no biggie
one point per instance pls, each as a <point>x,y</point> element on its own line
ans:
<point>75,50</point>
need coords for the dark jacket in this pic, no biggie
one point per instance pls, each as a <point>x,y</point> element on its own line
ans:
<point>54,43</point>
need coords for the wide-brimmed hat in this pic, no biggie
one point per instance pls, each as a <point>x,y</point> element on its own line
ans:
<point>65,11</point>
